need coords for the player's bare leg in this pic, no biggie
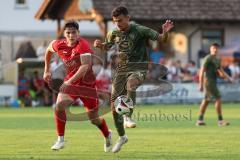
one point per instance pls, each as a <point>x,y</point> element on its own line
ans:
<point>63,101</point>
<point>202,111</point>
<point>218,108</point>
<point>101,124</point>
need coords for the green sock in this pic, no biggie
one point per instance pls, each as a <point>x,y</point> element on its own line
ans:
<point>220,117</point>
<point>118,121</point>
<point>131,112</point>
<point>201,117</point>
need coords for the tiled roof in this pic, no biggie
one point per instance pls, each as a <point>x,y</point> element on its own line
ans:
<point>217,10</point>
<point>178,10</point>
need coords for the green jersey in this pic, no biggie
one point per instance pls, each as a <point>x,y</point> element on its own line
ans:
<point>211,65</point>
<point>131,47</point>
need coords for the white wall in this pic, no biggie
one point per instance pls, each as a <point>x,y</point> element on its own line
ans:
<point>231,32</point>
<point>188,29</point>
<point>14,19</point>
<point>18,24</point>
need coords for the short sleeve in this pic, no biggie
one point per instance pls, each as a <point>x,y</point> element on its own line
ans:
<point>86,46</point>
<point>147,33</point>
<point>54,45</point>
<point>218,64</point>
<point>205,62</point>
<point>109,40</point>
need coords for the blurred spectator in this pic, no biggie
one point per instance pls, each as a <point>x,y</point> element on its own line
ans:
<point>103,80</point>
<point>180,70</point>
<point>156,54</point>
<point>172,71</point>
<point>235,70</point>
<point>23,89</point>
<point>103,83</point>
<point>186,77</point>
<point>40,89</point>
<point>41,50</point>
<point>57,69</point>
<point>192,68</point>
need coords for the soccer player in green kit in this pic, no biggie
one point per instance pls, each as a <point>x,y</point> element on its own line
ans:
<point>131,42</point>
<point>209,72</point>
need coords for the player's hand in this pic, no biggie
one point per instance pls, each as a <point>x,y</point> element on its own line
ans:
<point>68,82</point>
<point>47,76</point>
<point>200,88</point>
<point>97,43</point>
<point>167,26</point>
<point>64,86</point>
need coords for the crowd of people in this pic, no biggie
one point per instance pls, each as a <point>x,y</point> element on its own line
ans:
<point>184,73</point>
<point>35,91</point>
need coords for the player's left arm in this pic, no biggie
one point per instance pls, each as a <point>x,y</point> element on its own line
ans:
<point>149,33</point>
<point>166,27</point>
<point>223,74</point>
<point>86,64</point>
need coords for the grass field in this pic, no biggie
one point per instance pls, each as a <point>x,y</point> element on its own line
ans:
<point>28,133</point>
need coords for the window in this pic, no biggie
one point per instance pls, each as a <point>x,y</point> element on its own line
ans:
<point>210,36</point>
<point>21,4</point>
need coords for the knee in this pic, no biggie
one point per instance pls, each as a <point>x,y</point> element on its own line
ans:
<point>96,122</point>
<point>61,105</point>
<point>58,106</point>
<point>132,84</point>
<point>218,100</point>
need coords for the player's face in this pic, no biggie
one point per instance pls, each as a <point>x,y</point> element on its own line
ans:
<point>122,22</point>
<point>213,50</point>
<point>71,34</point>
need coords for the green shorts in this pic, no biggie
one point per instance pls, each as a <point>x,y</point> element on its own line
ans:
<point>211,91</point>
<point>119,82</point>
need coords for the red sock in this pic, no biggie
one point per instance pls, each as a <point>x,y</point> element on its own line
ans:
<point>60,121</point>
<point>104,128</point>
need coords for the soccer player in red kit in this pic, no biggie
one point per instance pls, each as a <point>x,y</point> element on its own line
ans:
<point>77,58</point>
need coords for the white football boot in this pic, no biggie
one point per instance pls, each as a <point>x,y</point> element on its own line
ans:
<point>108,142</point>
<point>58,145</point>
<point>121,141</point>
<point>129,123</point>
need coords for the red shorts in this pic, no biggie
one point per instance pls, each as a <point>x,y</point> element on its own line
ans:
<point>87,94</point>
<point>23,93</point>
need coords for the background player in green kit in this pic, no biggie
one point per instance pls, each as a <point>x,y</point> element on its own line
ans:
<point>131,42</point>
<point>209,72</point>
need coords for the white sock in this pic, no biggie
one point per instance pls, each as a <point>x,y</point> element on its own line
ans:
<point>123,137</point>
<point>61,138</point>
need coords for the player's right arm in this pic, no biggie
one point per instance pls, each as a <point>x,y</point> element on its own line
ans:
<point>223,74</point>
<point>109,42</point>
<point>201,73</point>
<point>201,78</point>
<point>48,55</point>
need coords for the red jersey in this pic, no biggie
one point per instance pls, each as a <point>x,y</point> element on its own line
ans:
<point>71,56</point>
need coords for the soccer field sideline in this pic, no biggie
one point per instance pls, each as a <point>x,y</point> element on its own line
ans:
<point>28,133</point>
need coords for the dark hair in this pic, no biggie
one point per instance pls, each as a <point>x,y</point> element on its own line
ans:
<point>120,10</point>
<point>215,45</point>
<point>71,24</point>
<point>192,62</point>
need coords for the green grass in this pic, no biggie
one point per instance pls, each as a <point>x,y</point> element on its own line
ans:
<point>28,133</point>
